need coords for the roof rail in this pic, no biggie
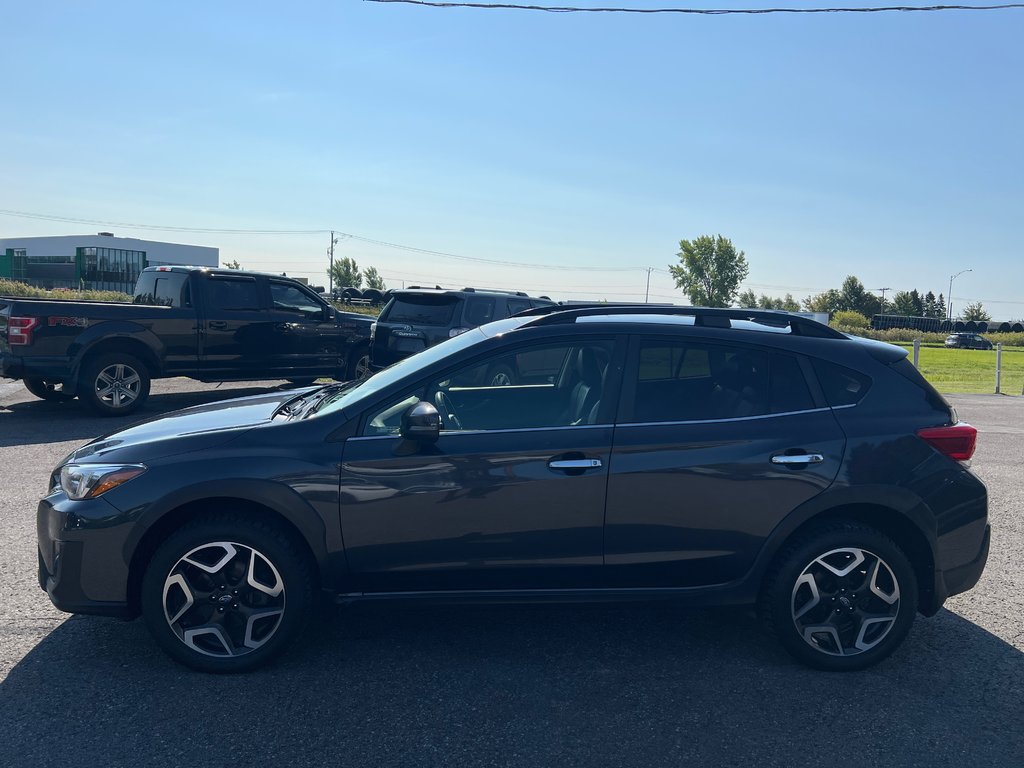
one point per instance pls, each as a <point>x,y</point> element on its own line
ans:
<point>710,317</point>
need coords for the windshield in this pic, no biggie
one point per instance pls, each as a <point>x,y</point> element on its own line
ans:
<point>403,368</point>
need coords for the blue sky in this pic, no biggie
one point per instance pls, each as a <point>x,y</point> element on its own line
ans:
<point>886,146</point>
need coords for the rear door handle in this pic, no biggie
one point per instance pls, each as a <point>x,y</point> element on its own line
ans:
<point>574,463</point>
<point>218,325</point>
<point>805,458</point>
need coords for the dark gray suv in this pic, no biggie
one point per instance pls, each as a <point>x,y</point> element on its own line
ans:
<point>705,456</point>
<point>417,318</point>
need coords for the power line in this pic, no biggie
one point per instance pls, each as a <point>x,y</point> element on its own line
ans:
<point>704,11</point>
<point>369,240</point>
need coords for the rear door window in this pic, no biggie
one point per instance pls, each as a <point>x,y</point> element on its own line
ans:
<point>688,381</point>
<point>517,305</point>
<point>232,294</point>
<point>425,309</point>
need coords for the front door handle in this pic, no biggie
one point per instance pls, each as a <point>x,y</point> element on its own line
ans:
<point>805,458</point>
<point>574,463</point>
<point>218,325</point>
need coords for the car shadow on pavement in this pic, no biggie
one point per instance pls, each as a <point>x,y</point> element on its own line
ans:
<point>28,421</point>
<point>592,685</point>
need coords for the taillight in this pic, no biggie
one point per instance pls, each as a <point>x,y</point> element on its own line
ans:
<point>956,441</point>
<point>19,330</point>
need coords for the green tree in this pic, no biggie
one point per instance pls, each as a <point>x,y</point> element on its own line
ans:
<point>373,279</point>
<point>232,264</point>
<point>710,270</point>
<point>940,307</point>
<point>790,304</point>
<point>856,298</point>
<point>747,300</point>
<point>975,312</point>
<point>826,301</point>
<point>346,273</point>
<point>903,304</point>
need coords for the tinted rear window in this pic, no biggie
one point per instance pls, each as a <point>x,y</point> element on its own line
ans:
<point>232,294</point>
<point>685,381</point>
<point>841,385</point>
<point>162,289</point>
<point>421,310</point>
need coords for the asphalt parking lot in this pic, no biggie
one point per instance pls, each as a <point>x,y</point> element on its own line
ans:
<point>605,685</point>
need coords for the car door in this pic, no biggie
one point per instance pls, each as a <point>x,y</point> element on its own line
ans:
<point>512,494</point>
<point>302,335</point>
<point>235,332</point>
<point>714,445</point>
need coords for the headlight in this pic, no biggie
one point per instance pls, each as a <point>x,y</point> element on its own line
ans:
<point>87,481</point>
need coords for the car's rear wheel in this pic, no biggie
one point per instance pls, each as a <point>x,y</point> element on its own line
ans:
<point>227,593</point>
<point>841,597</point>
<point>115,384</point>
<point>47,390</point>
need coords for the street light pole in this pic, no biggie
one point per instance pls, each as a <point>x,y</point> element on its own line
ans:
<point>949,312</point>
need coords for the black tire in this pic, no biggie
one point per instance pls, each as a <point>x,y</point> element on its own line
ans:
<point>228,601</point>
<point>358,364</point>
<point>46,391</point>
<point>99,380</point>
<point>803,591</point>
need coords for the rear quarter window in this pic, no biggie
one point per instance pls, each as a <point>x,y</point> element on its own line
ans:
<point>841,385</point>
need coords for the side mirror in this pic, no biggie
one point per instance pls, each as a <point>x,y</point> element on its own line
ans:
<point>329,313</point>
<point>422,423</point>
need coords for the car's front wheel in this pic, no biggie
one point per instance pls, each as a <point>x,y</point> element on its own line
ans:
<point>840,597</point>
<point>227,593</point>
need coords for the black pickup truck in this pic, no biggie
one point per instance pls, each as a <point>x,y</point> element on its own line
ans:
<point>207,324</point>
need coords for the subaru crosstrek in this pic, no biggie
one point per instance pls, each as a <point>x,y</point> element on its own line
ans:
<point>704,456</point>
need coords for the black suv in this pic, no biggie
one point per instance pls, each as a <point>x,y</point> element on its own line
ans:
<point>417,318</point>
<point>706,456</point>
<point>967,341</point>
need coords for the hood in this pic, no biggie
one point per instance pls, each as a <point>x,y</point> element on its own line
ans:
<point>192,429</point>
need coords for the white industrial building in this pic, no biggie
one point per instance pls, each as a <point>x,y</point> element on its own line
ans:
<point>99,261</point>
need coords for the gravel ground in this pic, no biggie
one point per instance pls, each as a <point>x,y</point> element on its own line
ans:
<point>615,685</point>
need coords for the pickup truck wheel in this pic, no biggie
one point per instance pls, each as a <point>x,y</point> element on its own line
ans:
<point>114,385</point>
<point>359,364</point>
<point>46,390</point>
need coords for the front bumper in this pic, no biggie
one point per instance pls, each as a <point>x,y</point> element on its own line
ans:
<point>81,563</point>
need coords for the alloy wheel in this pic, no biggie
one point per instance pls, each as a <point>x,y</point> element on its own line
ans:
<point>118,385</point>
<point>224,599</point>
<point>845,602</point>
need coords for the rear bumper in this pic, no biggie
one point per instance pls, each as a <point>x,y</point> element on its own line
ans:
<point>964,577</point>
<point>52,369</point>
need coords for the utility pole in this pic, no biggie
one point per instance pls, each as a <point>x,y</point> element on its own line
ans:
<point>883,290</point>
<point>330,274</point>
<point>949,297</point>
<point>647,293</point>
